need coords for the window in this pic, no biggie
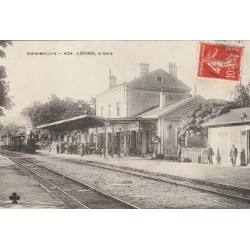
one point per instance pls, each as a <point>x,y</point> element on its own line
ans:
<point>243,133</point>
<point>109,110</point>
<point>101,111</point>
<point>159,79</point>
<point>117,109</point>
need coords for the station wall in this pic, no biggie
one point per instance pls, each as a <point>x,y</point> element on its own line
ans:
<point>111,98</point>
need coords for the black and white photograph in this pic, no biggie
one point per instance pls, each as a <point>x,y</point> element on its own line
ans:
<point>125,124</point>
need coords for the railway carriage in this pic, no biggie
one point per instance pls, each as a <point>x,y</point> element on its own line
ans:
<point>19,143</point>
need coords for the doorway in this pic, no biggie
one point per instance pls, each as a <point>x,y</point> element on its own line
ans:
<point>117,142</point>
<point>132,149</point>
<point>223,146</point>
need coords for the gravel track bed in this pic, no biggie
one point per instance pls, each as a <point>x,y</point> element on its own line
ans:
<point>139,191</point>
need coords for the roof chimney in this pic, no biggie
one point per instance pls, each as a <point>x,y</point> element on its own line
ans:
<point>112,80</point>
<point>162,99</point>
<point>144,69</point>
<point>173,69</point>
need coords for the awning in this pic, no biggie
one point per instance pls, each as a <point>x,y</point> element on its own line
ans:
<point>90,121</point>
<point>77,122</point>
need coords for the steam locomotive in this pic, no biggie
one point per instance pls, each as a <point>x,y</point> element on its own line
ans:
<point>22,143</point>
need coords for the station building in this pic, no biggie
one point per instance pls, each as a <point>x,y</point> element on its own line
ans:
<point>136,117</point>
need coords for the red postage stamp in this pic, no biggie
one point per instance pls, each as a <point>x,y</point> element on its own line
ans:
<point>220,61</point>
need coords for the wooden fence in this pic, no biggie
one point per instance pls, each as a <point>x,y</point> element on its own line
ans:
<point>195,155</point>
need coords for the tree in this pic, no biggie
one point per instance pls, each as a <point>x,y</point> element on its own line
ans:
<point>242,98</point>
<point>12,130</point>
<point>5,99</point>
<point>56,109</point>
<point>92,104</point>
<point>192,122</point>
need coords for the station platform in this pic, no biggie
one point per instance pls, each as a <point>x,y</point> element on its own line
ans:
<point>238,176</point>
<point>32,195</point>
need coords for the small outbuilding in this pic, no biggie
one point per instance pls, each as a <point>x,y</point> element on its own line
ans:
<point>230,129</point>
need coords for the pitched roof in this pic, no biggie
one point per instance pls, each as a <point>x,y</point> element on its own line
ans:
<point>169,108</point>
<point>232,117</point>
<point>168,81</point>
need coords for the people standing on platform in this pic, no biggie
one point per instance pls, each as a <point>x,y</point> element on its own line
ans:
<point>82,149</point>
<point>210,154</point>
<point>112,150</point>
<point>233,155</point>
<point>243,158</point>
<point>57,148</point>
<point>62,148</point>
<point>104,153</point>
<point>66,148</point>
<point>218,157</point>
<point>100,151</point>
<point>109,150</point>
<point>118,152</point>
<point>154,155</point>
<point>179,153</point>
<point>87,149</point>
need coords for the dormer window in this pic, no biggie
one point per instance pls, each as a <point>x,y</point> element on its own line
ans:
<point>159,79</point>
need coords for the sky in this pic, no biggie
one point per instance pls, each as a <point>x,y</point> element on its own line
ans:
<point>80,76</point>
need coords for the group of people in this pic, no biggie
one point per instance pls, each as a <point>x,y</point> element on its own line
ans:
<point>233,156</point>
<point>68,148</point>
<point>83,149</point>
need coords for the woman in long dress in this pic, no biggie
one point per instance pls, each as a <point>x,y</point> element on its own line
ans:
<point>243,158</point>
<point>218,157</point>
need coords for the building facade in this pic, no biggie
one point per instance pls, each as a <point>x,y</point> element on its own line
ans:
<point>132,98</point>
<point>139,116</point>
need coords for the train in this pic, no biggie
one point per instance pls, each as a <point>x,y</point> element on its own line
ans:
<point>21,143</point>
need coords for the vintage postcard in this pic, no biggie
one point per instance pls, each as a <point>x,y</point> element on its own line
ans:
<point>125,124</point>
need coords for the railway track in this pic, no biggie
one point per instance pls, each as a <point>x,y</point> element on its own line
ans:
<point>228,191</point>
<point>71,192</point>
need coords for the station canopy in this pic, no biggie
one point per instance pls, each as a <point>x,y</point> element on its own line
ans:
<point>89,121</point>
<point>77,122</point>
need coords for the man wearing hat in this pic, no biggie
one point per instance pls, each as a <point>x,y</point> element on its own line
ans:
<point>210,154</point>
<point>233,155</point>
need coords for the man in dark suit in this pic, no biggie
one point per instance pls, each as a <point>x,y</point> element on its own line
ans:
<point>233,155</point>
<point>210,154</point>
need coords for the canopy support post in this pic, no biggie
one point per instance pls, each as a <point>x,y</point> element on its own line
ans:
<point>106,141</point>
